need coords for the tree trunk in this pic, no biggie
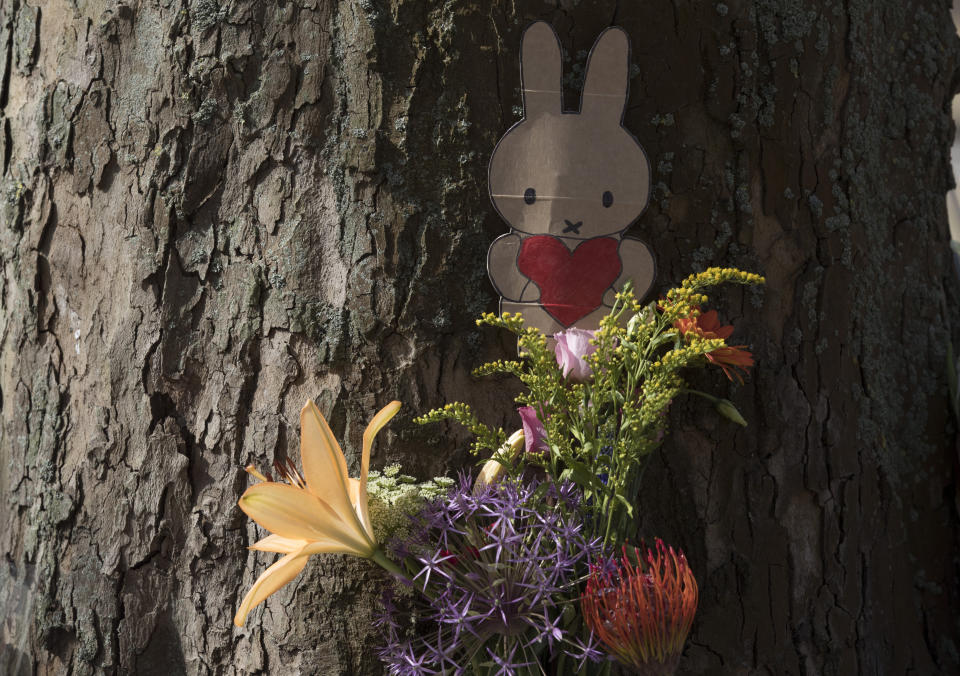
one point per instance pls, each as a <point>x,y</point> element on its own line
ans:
<point>215,210</point>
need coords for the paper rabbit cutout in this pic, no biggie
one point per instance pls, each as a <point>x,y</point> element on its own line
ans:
<point>569,184</point>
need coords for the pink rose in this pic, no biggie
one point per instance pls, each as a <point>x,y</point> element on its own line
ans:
<point>572,346</point>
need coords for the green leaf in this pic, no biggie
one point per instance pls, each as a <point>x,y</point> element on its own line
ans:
<point>540,491</point>
<point>668,337</point>
<point>582,475</point>
<point>626,503</point>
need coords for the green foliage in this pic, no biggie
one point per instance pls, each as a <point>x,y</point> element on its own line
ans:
<point>601,432</point>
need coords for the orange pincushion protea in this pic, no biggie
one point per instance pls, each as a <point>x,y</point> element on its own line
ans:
<point>730,357</point>
<point>643,613</point>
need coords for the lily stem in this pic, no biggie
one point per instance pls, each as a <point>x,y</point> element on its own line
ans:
<point>381,559</point>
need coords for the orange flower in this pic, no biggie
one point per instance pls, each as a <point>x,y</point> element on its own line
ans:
<point>730,357</point>
<point>642,614</point>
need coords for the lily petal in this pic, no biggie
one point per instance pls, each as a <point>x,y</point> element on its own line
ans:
<point>359,494</point>
<point>272,579</point>
<point>299,515</point>
<point>278,544</point>
<point>382,417</point>
<point>324,466</point>
<point>359,505</point>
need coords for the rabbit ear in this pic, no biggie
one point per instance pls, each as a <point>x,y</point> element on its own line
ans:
<point>540,68</point>
<point>606,85</point>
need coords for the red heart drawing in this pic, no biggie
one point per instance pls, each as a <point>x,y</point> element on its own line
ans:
<point>572,283</point>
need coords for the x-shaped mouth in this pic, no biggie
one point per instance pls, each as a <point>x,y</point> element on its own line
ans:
<point>572,227</point>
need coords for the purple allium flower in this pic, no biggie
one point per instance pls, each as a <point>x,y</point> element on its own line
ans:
<point>492,573</point>
<point>585,651</point>
<point>434,564</point>
<point>534,433</point>
<point>506,663</point>
<point>572,346</point>
<point>567,493</point>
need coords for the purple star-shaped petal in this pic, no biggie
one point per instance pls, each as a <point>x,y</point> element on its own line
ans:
<point>433,565</point>
<point>507,666</point>
<point>585,651</point>
<point>549,630</point>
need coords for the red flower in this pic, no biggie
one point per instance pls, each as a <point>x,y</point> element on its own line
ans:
<point>642,614</point>
<point>453,560</point>
<point>730,357</point>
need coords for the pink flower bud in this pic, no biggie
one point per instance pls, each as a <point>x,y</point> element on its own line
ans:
<point>572,346</point>
<point>534,433</point>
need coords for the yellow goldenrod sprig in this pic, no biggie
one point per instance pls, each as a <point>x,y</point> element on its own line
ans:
<point>485,438</point>
<point>512,322</point>
<point>685,300</point>
<point>512,367</point>
<point>715,276</point>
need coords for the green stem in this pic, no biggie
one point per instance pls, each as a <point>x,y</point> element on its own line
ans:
<point>709,397</point>
<point>381,559</point>
<point>606,532</point>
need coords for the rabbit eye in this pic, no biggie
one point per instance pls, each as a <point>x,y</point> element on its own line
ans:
<point>607,198</point>
<point>530,196</point>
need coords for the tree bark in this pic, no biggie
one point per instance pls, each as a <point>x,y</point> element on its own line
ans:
<point>215,210</point>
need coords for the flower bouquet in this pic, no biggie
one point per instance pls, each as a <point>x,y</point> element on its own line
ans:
<point>530,567</point>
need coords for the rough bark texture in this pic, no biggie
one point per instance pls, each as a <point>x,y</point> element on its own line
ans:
<point>212,211</point>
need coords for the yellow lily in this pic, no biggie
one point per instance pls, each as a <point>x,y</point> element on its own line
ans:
<point>322,512</point>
